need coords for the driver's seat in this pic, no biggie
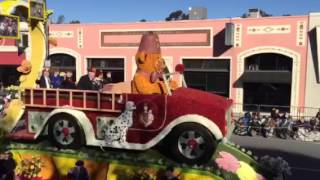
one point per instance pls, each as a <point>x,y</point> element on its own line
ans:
<point>118,88</point>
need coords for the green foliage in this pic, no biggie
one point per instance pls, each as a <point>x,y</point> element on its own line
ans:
<point>177,15</point>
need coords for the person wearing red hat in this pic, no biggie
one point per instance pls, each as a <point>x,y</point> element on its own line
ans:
<point>86,82</point>
<point>150,67</point>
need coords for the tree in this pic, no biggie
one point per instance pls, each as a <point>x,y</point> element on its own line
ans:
<point>61,19</point>
<point>74,22</point>
<point>177,15</point>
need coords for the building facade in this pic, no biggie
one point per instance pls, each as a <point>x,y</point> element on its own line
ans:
<point>268,61</point>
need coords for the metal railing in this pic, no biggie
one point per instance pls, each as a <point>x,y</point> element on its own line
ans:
<point>39,97</point>
<point>295,112</point>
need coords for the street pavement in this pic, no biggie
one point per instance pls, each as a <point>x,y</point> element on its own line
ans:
<point>303,157</point>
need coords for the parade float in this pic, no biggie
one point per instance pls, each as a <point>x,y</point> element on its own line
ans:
<point>149,128</point>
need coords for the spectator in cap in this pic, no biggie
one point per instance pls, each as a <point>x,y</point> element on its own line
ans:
<point>86,81</point>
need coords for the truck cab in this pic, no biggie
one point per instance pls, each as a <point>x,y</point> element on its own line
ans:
<point>190,122</point>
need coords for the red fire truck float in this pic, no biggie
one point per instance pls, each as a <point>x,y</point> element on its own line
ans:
<point>189,121</point>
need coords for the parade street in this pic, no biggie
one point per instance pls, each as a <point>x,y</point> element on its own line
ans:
<point>303,157</point>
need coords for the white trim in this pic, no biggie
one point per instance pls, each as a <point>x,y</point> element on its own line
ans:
<point>8,48</point>
<point>133,66</point>
<point>269,29</point>
<point>91,140</point>
<point>318,49</point>
<point>295,83</point>
<point>158,29</point>
<point>72,53</point>
<point>212,57</point>
<point>205,57</point>
<point>237,35</point>
<point>210,125</point>
<point>62,34</point>
<point>80,38</point>
<point>82,119</point>
<point>301,33</point>
<point>109,57</point>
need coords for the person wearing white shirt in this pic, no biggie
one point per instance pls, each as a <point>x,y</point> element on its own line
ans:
<point>45,79</point>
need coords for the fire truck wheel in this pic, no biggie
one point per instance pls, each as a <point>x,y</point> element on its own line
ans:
<point>65,132</point>
<point>191,143</point>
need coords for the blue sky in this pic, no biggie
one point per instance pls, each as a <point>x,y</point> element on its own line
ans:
<point>155,10</point>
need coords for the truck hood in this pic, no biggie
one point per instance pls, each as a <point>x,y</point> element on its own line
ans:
<point>203,97</point>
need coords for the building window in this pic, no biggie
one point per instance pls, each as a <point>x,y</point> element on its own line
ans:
<point>211,75</point>
<point>267,82</point>
<point>63,63</point>
<point>268,62</point>
<point>113,65</point>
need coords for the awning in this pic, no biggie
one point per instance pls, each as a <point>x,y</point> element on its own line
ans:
<point>266,77</point>
<point>11,58</point>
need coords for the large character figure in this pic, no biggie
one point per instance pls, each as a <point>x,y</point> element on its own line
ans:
<point>150,66</point>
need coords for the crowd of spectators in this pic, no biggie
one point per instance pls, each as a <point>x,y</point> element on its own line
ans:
<point>94,80</point>
<point>277,124</point>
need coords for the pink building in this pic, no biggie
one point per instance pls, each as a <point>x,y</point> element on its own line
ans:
<point>269,60</point>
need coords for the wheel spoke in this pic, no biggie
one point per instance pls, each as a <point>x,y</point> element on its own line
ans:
<point>70,139</point>
<point>71,130</point>
<point>57,132</point>
<point>65,124</point>
<point>187,152</point>
<point>57,127</point>
<point>183,140</point>
<point>200,140</point>
<point>191,135</point>
<point>60,138</point>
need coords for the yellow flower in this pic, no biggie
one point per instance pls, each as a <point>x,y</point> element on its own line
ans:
<point>246,172</point>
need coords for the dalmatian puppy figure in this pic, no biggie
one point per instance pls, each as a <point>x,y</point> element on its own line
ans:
<point>116,129</point>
